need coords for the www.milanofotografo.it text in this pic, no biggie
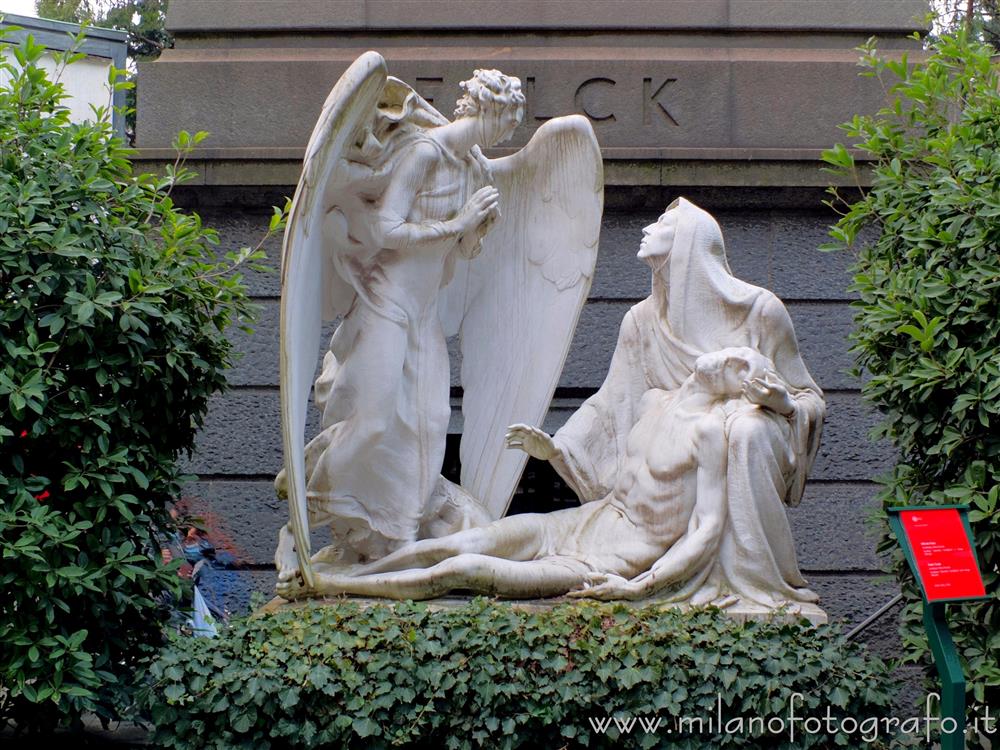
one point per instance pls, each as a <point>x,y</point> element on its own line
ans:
<point>794,725</point>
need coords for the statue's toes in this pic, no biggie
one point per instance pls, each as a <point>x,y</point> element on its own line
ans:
<point>289,589</point>
<point>725,602</point>
<point>287,575</point>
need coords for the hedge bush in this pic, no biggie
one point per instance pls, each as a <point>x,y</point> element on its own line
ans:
<point>928,315</point>
<point>490,675</point>
<point>112,312</point>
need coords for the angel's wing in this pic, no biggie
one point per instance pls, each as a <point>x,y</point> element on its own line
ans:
<point>309,282</point>
<point>517,303</point>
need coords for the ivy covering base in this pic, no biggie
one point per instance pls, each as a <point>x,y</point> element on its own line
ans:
<point>490,675</point>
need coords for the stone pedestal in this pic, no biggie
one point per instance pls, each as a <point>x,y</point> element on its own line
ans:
<point>740,612</point>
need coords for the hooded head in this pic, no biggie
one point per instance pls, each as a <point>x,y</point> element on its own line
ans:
<point>703,303</point>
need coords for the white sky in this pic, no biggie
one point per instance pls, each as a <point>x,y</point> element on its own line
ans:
<point>20,7</point>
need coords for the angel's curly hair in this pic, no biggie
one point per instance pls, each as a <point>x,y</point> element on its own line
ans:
<point>488,86</point>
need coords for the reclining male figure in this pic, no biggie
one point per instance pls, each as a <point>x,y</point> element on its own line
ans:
<point>661,523</point>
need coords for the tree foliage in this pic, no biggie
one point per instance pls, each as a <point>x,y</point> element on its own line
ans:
<point>979,18</point>
<point>113,308</point>
<point>928,318</point>
<point>144,20</point>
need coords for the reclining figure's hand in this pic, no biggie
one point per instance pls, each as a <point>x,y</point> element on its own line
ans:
<point>609,587</point>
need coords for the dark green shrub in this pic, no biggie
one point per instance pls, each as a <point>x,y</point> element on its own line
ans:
<point>490,675</point>
<point>112,312</point>
<point>928,318</point>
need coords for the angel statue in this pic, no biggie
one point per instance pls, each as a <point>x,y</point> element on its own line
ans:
<point>404,230</point>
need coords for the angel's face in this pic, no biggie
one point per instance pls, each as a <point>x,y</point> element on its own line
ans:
<point>499,122</point>
<point>658,241</point>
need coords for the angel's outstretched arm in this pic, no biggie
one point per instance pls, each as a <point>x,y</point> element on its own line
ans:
<point>408,178</point>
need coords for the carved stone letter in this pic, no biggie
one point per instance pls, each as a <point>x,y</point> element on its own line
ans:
<point>650,98</point>
<point>581,103</point>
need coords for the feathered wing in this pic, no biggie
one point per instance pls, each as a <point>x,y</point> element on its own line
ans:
<point>516,305</point>
<point>311,287</point>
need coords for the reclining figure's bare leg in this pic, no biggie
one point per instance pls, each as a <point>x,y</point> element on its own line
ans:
<point>516,538</point>
<point>472,572</point>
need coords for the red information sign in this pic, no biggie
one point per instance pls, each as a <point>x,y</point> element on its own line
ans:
<point>943,554</point>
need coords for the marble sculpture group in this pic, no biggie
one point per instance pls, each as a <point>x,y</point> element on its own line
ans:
<point>684,460</point>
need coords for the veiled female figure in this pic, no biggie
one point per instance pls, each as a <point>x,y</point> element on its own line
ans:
<point>698,306</point>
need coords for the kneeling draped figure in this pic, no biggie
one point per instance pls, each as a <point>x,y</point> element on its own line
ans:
<point>660,525</point>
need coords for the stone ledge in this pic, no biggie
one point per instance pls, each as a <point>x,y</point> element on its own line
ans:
<point>611,153</point>
<point>622,168</point>
<point>739,611</point>
<point>736,101</point>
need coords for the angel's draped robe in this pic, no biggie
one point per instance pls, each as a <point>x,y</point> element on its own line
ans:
<point>385,385</point>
